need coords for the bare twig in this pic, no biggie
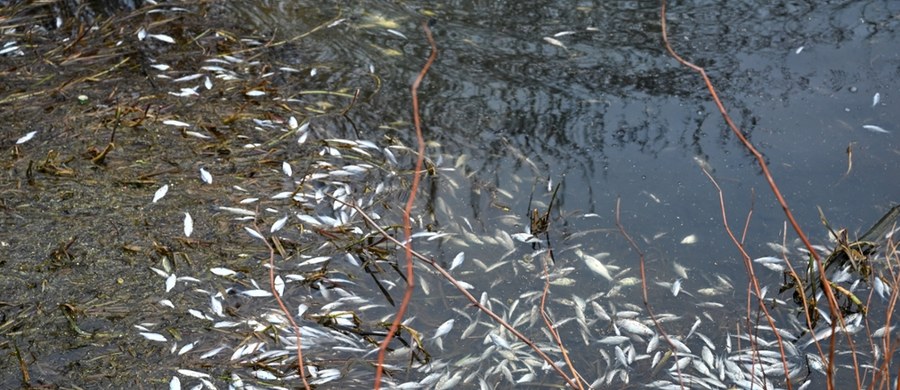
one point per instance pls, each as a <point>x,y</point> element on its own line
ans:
<point>407,230</point>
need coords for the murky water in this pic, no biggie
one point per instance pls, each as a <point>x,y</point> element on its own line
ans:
<point>599,109</point>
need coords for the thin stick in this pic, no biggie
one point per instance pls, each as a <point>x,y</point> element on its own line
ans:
<point>644,288</point>
<point>284,309</point>
<point>407,230</point>
<point>553,332</point>
<point>748,263</point>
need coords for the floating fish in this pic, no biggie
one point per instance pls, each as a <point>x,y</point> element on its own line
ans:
<point>206,176</point>
<point>442,330</point>
<point>689,240</point>
<point>278,224</point>
<point>188,225</point>
<point>876,129</point>
<point>25,138</point>
<point>554,42</point>
<point>160,193</point>
<point>162,37</point>
<point>676,287</point>
<point>458,260</point>
<point>154,336</point>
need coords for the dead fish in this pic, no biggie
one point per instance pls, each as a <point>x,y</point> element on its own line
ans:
<point>876,129</point>
<point>594,265</point>
<point>25,138</point>
<point>188,225</point>
<point>680,270</point>
<point>160,193</point>
<point>676,287</point>
<point>876,99</point>
<point>206,176</point>
<point>554,42</point>
<point>634,327</point>
<point>162,37</point>
<point>458,260</point>
<point>442,330</point>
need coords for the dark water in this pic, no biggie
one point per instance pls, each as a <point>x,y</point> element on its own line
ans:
<point>612,115</point>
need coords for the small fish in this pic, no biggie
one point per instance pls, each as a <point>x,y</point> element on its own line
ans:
<point>286,168</point>
<point>876,129</point>
<point>154,336</point>
<point>442,330</point>
<point>25,138</point>
<point>162,37</point>
<point>205,176</point>
<point>160,193</point>
<point>188,78</point>
<point>254,233</point>
<point>172,122</point>
<point>680,270</point>
<point>595,265</point>
<point>458,260</point>
<point>222,271</point>
<point>397,33</point>
<point>170,282</point>
<point>188,225</point>
<point>256,293</point>
<point>676,287</point>
<point>799,50</point>
<point>689,240</point>
<point>186,348</point>
<point>278,224</point>
<point>876,99</point>
<point>634,327</point>
<point>555,42</point>
<point>254,93</point>
<point>279,285</point>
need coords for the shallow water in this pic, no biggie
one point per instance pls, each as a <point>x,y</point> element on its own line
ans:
<point>611,115</point>
<point>510,115</point>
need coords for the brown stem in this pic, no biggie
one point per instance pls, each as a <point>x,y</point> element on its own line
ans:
<point>407,230</point>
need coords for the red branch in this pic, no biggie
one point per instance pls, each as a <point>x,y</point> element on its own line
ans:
<point>407,230</point>
<point>826,286</point>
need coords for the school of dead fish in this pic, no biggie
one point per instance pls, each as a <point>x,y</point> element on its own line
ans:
<point>605,315</point>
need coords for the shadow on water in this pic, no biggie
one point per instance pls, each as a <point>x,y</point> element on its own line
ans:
<point>524,96</point>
